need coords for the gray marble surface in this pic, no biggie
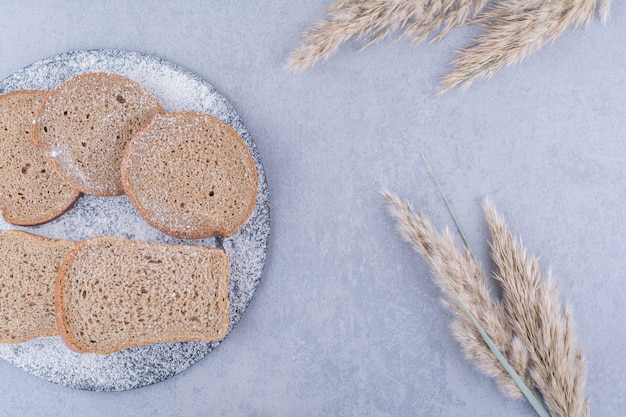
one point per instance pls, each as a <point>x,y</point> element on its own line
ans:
<point>346,320</point>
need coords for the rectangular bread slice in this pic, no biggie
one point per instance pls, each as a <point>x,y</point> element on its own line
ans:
<point>29,267</point>
<point>112,294</point>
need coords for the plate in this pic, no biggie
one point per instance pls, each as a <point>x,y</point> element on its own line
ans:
<point>177,89</point>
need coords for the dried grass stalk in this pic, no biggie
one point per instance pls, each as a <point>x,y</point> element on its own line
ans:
<point>529,326</point>
<point>514,29</point>
<point>460,278</point>
<point>376,19</point>
<point>556,365</point>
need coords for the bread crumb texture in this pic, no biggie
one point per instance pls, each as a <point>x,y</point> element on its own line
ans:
<point>115,293</point>
<point>31,192</point>
<point>85,124</point>
<point>28,272</point>
<point>191,176</point>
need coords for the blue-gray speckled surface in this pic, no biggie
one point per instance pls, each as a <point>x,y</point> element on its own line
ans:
<point>346,320</point>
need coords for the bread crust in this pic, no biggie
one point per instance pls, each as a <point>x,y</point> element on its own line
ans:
<point>62,316</point>
<point>15,218</point>
<point>40,220</point>
<point>40,112</point>
<point>196,232</point>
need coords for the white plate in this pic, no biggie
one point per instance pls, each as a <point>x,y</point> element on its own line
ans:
<point>176,89</point>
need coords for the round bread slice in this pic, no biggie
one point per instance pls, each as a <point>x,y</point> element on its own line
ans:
<point>31,192</point>
<point>85,124</point>
<point>191,176</point>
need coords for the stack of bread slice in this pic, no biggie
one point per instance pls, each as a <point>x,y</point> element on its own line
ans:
<point>188,174</point>
<point>107,294</point>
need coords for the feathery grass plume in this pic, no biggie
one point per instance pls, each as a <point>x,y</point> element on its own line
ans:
<point>530,327</point>
<point>462,281</point>
<point>556,365</point>
<point>376,19</point>
<point>515,28</point>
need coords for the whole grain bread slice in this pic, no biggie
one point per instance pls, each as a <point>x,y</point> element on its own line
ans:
<point>31,192</point>
<point>28,273</point>
<point>114,293</point>
<point>191,176</point>
<point>84,125</point>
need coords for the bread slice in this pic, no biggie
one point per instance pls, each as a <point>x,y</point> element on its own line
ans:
<point>31,192</point>
<point>114,293</point>
<point>191,176</point>
<point>85,123</point>
<point>28,272</point>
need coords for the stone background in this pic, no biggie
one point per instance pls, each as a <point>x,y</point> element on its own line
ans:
<point>346,320</point>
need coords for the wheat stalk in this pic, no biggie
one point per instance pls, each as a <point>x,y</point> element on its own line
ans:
<point>376,19</point>
<point>514,29</point>
<point>556,365</point>
<point>529,326</point>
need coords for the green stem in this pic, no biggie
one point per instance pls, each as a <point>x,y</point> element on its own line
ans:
<point>532,399</point>
<point>448,205</point>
